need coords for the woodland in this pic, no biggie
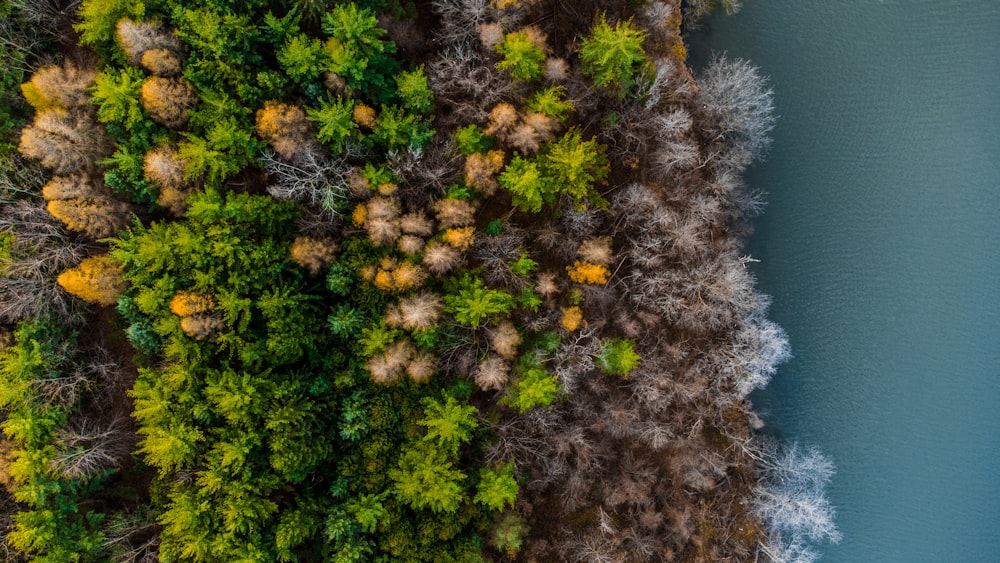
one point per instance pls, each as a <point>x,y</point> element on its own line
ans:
<point>384,280</point>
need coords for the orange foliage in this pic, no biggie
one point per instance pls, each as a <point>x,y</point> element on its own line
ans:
<point>168,100</point>
<point>572,318</point>
<point>585,272</point>
<point>187,303</point>
<point>161,62</point>
<point>285,127</point>
<point>312,253</point>
<point>503,118</point>
<point>360,215</point>
<point>364,116</point>
<point>460,238</point>
<point>95,280</point>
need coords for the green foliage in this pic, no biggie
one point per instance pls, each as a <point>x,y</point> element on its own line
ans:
<point>550,102</point>
<point>613,56</point>
<point>414,91</point>
<point>427,478</point>
<point>573,166</point>
<point>303,58</point>
<point>334,123</point>
<point>524,59</point>
<point>497,487</point>
<point>509,533</point>
<point>98,19</point>
<point>523,266</point>
<point>472,139</point>
<point>449,423</point>
<point>617,356</point>
<point>357,52</point>
<point>116,93</point>
<point>225,150</point>
<point>396,129</point>
<point>534,386</point>
<point>470,302</point>
<point>375,338</point>
<point>529,191</point>
<point>51,526</point>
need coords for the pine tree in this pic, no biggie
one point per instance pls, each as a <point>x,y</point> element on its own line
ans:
<point>96,280</point>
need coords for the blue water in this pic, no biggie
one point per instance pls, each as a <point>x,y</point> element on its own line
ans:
<point>881,247</point>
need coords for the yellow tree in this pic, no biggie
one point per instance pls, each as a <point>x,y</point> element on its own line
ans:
<point>95,280</point>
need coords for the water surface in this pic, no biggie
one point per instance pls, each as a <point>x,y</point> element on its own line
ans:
<point>881,247</point>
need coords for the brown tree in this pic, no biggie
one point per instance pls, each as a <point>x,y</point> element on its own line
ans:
<point>286,128</point>
<point>168,100</point>
<point>64,142</point>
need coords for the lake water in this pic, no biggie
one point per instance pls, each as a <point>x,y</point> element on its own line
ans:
<point>881,247</point>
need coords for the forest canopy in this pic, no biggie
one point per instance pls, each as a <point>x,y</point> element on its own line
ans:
<point>384,280</point>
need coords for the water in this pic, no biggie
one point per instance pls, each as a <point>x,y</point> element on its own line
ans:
<point>881,247</point>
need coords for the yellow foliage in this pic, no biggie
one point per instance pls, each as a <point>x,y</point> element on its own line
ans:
<point>460,238</point>
<point>359,215</point>
<point>168,100</point>
<point>187,303</point>
<point>95,280</point>
<point>312,254</point>
<point>364,116</point>
<point>285,127</point>
<point>71,187</point>
<point>95,217</point>
<point>572,318</point>
<point>481,170</point>
<point>586,272</point>
<point>388,188</point>
<point>161,62</point>
<point>63,87</point>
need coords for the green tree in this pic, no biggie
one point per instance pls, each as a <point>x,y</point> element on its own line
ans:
<point>550,102</point>
<point>613,56</point>
<point>617,356</point>
<point>224,151</point>
<point>396,129</point>
<point>573,166</point>
<point>414,91</point>
<point>497,487</point>
<point>116,93</point>
<point>303,58</point>
<point>334,123</point>
<point>357,52</point>
<point>524,59</point>
<point>449,423</point>
<point>528,190</point>
<point>471,302</point>
<point>99,17</point>
<point>426,478</point>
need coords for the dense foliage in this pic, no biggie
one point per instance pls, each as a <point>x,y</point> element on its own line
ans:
<point>273,304</point>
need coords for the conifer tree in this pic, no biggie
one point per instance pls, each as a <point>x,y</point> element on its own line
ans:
<point>613,56</point>
<point>96,280</point>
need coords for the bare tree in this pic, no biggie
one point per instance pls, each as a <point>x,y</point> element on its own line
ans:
<point>738,98</point>
<point>791,500</point>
